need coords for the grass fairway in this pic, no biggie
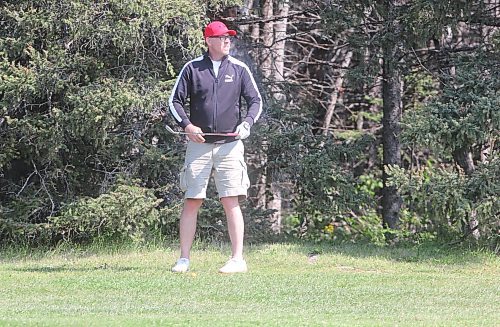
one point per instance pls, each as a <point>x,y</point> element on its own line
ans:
<point>349,285</point>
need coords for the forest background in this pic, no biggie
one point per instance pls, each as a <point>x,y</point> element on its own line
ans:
<point>381,119</point>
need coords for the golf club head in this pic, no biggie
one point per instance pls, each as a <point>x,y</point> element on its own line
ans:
<point>170,130</point>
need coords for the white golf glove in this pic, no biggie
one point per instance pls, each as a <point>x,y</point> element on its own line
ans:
<point>243,131</point>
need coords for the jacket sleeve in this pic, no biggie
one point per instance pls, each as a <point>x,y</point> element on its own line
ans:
<point>179,96</point>
<point>252,96</point>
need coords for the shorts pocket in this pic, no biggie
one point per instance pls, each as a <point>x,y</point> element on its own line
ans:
<point>183,179</point>
<point>245,181</point>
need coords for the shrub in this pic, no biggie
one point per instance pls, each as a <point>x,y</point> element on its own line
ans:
<point>126,212</point>
<point>328,191</point>
<point>445,199</point>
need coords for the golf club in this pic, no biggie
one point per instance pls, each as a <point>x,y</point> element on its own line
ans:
<point>170,130</point>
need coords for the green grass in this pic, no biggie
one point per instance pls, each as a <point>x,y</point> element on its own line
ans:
<point>348,285</point>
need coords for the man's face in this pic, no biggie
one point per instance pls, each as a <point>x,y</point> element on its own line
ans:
<point>219,45</point>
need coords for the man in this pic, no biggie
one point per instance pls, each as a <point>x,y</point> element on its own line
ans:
<point>214,84</point>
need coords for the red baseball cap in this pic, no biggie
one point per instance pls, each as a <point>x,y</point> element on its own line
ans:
<point>217,29</point>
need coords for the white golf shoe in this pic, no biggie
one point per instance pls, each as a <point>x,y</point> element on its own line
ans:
<point>234,266</point>
<point>181,266</point>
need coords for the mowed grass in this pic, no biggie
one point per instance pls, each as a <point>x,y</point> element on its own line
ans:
<point>348,285</point>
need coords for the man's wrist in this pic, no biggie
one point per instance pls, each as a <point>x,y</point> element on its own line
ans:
<point>249,120</point>
<point>185,123</point>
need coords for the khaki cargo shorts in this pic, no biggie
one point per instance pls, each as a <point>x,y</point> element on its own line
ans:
<point>227,162</point>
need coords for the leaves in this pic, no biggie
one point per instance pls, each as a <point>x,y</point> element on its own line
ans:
<point>126,212</point>
<point>80,83</point>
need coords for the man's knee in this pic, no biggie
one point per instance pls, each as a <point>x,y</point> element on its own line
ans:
<point>193,203</point>
<point>230,201</point>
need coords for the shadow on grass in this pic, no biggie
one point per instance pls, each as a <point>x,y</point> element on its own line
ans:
<point>49,269</point>
<point>429,253</point>
<point>424,253</point>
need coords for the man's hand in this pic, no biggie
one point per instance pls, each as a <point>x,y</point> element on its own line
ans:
<point>243,131</point>
<point>197,138</point>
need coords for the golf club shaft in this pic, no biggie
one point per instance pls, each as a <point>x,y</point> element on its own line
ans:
<point>210,134</point>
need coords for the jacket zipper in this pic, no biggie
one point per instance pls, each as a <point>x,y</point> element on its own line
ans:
<point>214,114</point>
<point>216,86</point>
<point>216,102</point>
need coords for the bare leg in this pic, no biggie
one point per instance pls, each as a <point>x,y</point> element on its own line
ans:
<point>235,225</point>
<point>187,227</point>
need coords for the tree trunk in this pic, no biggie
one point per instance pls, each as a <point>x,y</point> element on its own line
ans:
<point>278,60</point>
<point>266,36</point>
<point>339,81</point>
<point>273,35</point>
<point>276,204</point>
<point>392,109</point>
<point>278,50</point>
<point>463,157</point>
<point>267,39</point>
<point>245,11</point>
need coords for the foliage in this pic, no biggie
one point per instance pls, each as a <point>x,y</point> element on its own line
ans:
<point>126,212</point>
<point>328,194</point>
<point>19,225</point>
<point>83,86</point>
<point>444,199</point>
<point>465,114</point>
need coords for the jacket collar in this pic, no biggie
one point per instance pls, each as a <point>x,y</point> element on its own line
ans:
<point>207,57</point>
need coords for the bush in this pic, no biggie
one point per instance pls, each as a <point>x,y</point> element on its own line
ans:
<point>446,199</point>
<point>82,88</point>
<point>328,191</point>
<point>126,212</point>
<point>22,222</point>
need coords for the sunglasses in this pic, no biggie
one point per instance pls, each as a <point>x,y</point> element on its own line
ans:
<point>223,38</point>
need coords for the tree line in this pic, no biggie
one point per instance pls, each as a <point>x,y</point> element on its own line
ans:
<point>381,118</point>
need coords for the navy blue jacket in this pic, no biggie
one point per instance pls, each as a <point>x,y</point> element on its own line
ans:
<point>215,101</point>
